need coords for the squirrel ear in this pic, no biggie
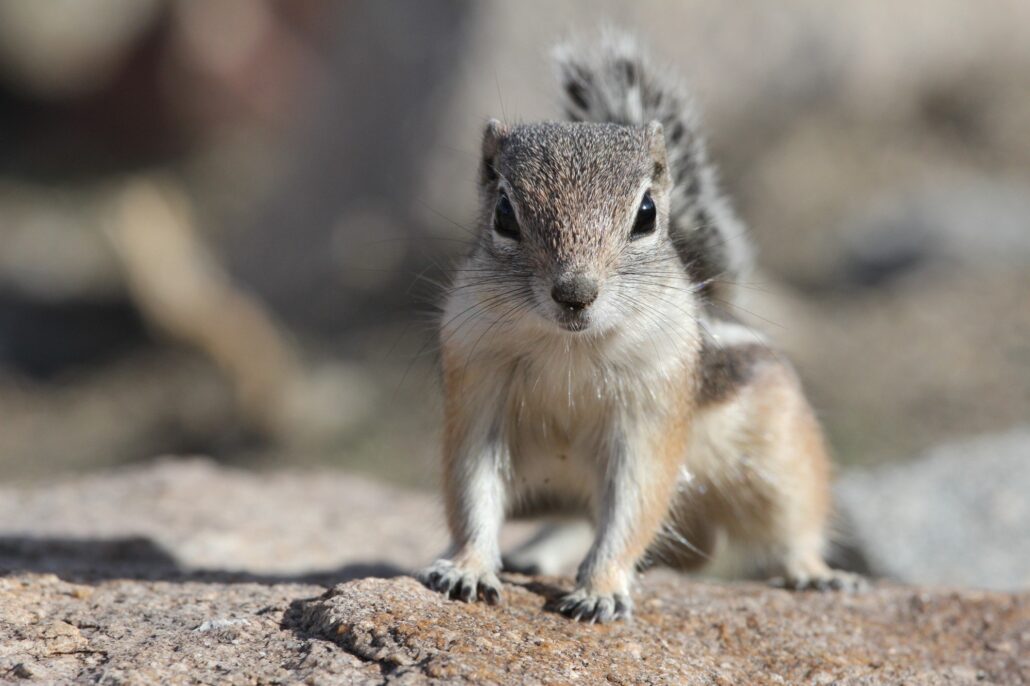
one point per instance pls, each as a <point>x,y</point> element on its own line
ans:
<point>656,145</point>
<point>493,138</point>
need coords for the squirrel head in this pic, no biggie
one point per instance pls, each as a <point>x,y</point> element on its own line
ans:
<point>575,215</point>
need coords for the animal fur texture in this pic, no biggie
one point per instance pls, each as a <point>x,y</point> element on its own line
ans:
<point>588,370</point>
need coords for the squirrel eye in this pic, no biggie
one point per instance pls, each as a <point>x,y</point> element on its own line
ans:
<point>645,221</point>
<point>505,223</point>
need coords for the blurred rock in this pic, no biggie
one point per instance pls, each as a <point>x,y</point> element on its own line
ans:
<point>974,224</point>
<point>85,271</point>
<point>878,150</point>
<point>182,290</point>
<point>43,339</point>
<point>93,417</point>
<point>957,516</point>
<point>54,245</point>
<point>190,516</point>
<point>355,167</point>
<point>937,353</point>
<point>58,50</point>
<point>199,517</point>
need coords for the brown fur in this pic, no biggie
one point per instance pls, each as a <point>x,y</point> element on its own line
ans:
<point>667,445</point>
<point>453,429</point>
<point>771,494</point>
<point>585,371</point>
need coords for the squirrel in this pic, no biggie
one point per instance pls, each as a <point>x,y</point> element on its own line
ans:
<point>589,367</point>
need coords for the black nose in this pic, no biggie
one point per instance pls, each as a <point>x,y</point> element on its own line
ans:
<point>574,293</point>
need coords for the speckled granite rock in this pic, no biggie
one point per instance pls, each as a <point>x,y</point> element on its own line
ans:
<point>376,631</point>
<point>146,632</point>
<point>684,633</point>
<point>184,572</point>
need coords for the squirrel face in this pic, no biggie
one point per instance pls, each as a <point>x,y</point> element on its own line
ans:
<point>578,214</point>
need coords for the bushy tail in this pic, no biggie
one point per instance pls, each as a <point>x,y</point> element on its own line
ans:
<point>612,80</point>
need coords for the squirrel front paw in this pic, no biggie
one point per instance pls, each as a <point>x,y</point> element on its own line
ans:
<point>590,606</point>
<point>460,583</point>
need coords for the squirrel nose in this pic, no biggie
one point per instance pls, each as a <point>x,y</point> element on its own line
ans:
<point>575,293</point>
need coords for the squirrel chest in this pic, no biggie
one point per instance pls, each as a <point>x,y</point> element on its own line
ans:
<point>566,407</point>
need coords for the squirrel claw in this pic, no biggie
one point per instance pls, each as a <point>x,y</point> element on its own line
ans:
<point>600,608</point>
<point>835,580</point>
<point>458,583</point>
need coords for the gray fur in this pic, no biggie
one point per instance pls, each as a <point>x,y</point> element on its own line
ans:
<point>573,184</point>
<point>723,371</point>
<point>576,188</point>
<point>611,80</point>
<point>576,324</point>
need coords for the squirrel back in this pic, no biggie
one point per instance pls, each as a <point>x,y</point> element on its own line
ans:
<point>612,80</point>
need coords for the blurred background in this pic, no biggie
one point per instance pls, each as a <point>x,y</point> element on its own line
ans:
<point>222,223</point>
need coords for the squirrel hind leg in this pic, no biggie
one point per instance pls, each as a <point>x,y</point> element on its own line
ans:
<point>687,541</point>
<point>761,453</point>
<point>811,573</point>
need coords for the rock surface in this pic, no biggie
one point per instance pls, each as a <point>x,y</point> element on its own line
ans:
<point>376,631</point>
<point>958,515</point>
<point>185,572</point>
<point>191,515</point>
<point>145,632</point>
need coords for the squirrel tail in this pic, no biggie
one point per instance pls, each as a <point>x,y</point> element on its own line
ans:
<point>612,80</point>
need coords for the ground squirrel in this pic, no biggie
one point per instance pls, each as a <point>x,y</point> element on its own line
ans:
<point>590,368</point>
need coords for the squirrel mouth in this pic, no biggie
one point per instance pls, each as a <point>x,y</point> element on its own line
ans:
<point>574,323</point>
